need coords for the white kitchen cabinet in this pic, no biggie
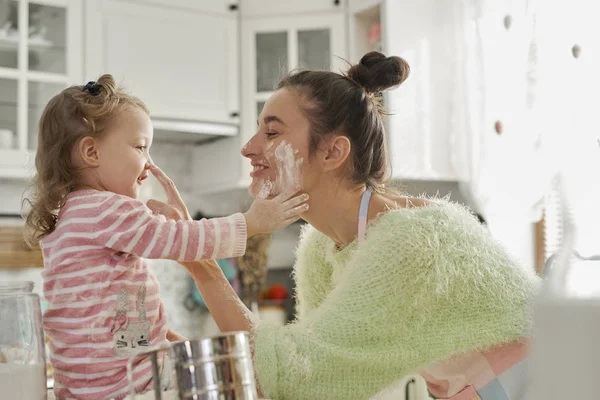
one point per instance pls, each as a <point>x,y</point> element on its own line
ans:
<point>264,8</point>
<point>204,6</point>
<point>357,6</point>
<point>181,61</point>
<point>40,48</point>
<point>425,135</point>
<point>270,48</point>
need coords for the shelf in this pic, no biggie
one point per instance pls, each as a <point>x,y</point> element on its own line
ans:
<point>11,42</point>
<point>14,104</point>
<point>184,131</point>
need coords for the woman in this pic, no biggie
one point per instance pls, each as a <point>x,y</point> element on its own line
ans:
<point>386,284</point>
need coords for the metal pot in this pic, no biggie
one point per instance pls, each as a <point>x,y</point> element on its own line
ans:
<point>212,368</point>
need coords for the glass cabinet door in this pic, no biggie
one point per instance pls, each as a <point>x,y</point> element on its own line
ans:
<point>259,107</point>
<point>47,38</point>
<point>8,113</point>
<point>314,49</point>
<point>37,61</point>
<point>271,59</point>
<point>9,34</point>
<point>39,94</point>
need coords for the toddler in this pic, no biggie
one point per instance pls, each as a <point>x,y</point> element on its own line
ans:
<point>104,303</point>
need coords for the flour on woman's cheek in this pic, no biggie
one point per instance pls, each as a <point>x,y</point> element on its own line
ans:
<point>265,189</point>
<point>288,168</point>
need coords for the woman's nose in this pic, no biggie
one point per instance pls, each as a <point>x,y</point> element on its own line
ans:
<point>250,148</point>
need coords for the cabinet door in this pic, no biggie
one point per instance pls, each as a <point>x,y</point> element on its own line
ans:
<point>40,55</point>
<point>420,129</point>
<point>264,8</point>
<point>270,48</point>
<point>204,6</point>
<point>183,64</point>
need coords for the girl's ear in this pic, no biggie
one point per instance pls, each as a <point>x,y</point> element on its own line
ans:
<point>87,150</point>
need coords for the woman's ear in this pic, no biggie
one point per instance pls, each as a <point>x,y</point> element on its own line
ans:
<point>88,151</point>
<point>335,151</point>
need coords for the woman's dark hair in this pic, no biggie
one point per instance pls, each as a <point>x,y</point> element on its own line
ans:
<point>350,104</point>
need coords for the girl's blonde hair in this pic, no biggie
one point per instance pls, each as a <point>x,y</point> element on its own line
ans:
<point>76,112</point>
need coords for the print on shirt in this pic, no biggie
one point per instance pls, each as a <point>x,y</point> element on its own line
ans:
<point>130,337</point>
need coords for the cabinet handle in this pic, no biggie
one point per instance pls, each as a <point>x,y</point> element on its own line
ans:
<point>233,7</point>
<point>234,114</point>
<point>507,21</point>
<point>499,127</point>
<point>336,2</point>
<point>576,50</point>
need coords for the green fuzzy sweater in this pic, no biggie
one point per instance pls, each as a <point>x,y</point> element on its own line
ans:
<point>427,282</point>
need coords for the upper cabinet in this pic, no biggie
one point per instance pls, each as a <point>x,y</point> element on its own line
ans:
<point>271,47</point>
<point>180,57</point>
<point>425,137</point>
<point>264,8</point>
<point>40,55</point>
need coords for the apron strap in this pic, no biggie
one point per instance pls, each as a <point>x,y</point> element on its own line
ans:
<point>362,215</point>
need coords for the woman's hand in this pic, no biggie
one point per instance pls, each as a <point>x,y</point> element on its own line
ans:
<point>175,208</point>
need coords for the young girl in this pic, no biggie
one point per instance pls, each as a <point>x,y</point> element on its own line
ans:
<point>104,303</point>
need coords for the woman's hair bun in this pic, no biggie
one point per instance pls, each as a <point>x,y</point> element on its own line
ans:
<point>375,72</point>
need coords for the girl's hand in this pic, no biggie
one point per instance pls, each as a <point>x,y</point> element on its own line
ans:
<point>268,215</point>
<point>175,207</point>
<point>175,210</point>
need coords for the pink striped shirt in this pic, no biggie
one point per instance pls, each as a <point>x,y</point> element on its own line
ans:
<point>104,303</point>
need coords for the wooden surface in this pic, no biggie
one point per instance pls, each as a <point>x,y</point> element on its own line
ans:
<point>14,252</point>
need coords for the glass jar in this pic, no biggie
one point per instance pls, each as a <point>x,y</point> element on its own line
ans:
<point>22,348</point>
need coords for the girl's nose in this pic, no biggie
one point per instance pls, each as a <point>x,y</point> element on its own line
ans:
<point>149,162</point>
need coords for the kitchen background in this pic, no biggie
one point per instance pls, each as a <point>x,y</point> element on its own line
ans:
<point>501,98</point>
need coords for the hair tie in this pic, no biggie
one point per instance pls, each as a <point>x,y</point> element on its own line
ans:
<point>92,87</point>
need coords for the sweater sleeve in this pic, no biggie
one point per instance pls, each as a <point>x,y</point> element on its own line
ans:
<point>418,290</point>
<point>127,225</point>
